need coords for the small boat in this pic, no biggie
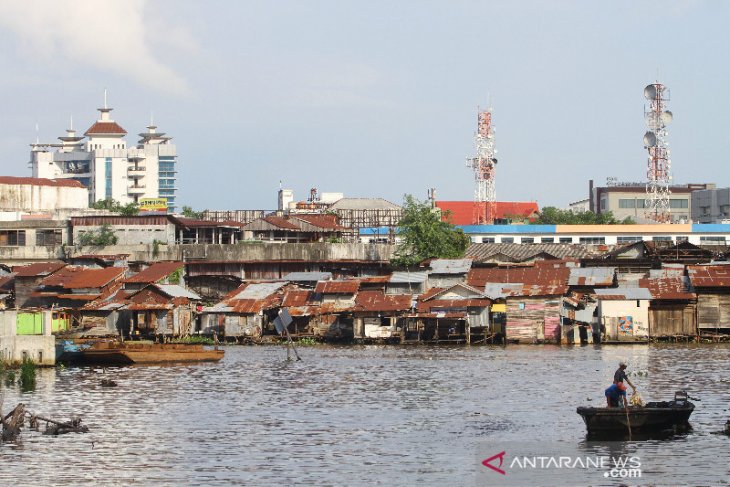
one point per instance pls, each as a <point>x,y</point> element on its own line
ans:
<point>116,353</point>
<point>653,417</point>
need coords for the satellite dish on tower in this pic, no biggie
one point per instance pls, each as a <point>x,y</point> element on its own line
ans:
<point>650,139</point>
<point>650,92</point>
<point>666,117</point>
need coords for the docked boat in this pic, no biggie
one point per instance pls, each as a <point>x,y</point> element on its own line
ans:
<point>116,353</point>
<point>653,417</point>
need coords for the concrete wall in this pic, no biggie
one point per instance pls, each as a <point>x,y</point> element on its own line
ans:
<point>39,348</point>
<point>133,234</point>
<point>612,312</point>
<point>31,198</point>
<point>260,251</point>
<point>711,205</point>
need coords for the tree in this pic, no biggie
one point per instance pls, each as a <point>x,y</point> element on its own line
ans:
<point>424,235</point>
<point>98,238</point>
<point>188,212</point>
<point>555,216</point>
<point>130,209</point>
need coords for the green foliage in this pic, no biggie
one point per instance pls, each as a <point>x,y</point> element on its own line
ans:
<point>306,341</point>
<point>155,248</point>
<point>175,277</point>
<point>555,216</point>
<point>27,374</point>
<point>188,212</point>
<point>334,239</point>
<point>424,235</point>
<point>98,238</point>
<point>130,209</point>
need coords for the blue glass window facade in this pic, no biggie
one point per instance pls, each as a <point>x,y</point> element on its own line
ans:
<point>108,173</point>
<point>167,180</point>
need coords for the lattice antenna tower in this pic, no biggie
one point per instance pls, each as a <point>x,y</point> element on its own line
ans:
<point>659,170</point>
<point>484,167</point>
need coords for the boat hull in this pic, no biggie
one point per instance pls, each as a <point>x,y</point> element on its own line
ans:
<point>127,354</point>
<point>654,417</point>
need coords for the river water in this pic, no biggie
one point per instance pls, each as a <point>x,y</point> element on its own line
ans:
<point>355,415</point>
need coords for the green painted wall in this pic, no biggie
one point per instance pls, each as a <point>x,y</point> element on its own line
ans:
<point>29,324</point>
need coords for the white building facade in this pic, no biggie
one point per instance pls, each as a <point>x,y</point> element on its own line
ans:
<point>102,162</point>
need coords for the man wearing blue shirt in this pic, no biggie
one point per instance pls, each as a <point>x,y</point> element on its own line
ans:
<point>614,394</point>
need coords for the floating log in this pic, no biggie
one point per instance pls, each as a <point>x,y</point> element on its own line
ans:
<point>15,420</point>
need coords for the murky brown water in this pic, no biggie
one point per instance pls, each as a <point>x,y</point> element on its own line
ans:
<point>352,415</point>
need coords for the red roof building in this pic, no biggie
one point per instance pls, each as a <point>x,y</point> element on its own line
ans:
<point>464,212</point>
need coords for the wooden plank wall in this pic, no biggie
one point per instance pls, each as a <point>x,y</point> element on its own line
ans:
<point>713,311</point>
<point>537,319</point>
<point>672,319</point>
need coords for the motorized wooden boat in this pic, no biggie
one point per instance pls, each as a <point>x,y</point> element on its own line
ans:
<point>652,417</point>
<point>116,353</point>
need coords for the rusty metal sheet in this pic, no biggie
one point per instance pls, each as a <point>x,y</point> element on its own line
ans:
<point>337,287</point>
<point>709,275</point>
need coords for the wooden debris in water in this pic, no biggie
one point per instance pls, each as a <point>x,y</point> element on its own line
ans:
<point>15,420</point>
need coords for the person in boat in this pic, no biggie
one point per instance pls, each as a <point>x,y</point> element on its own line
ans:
<point>620,376</point>
<point>615,394</point>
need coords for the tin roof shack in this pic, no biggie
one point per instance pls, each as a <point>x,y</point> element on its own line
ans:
<point>406,282</point>
<point>586,279</point>
<point>325,312</point>
<point>246,312</point>
<point>712,285</point>
<point>459,313</point>
<point>532,295</point>
<point>623,313</point>
<point>163,309</point>
<point>380,316</point>
<point>157,273</point>
<point>295,228</point>
<point>27,279</point>
<point>72,287</point>
<point>579,320</point>
<point>107,316</point>
<point>673,308</point>
<point>445,273</point>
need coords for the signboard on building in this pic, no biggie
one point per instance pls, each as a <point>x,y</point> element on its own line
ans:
<point>153,206</point>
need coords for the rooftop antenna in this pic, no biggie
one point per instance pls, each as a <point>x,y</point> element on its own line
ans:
<point>105,98</point>
<point>37,134</point>
<point>72,122</point>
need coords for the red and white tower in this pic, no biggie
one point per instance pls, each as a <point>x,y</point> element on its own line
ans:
<point>659,171</point>
<point>484,166</point>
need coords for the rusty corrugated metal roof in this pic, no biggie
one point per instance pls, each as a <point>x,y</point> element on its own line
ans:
<point>546,278</point>
<point>38,269</point>
<point>709,275</point>
<point>591,276</point>
<point>68,183</point>
<point>377,301</point>
<point>668,288</point>
<point>94,278</point>
<point>337,287</point>
<point>156,272</point>
<point>297,298</point>
<point>108,303</point>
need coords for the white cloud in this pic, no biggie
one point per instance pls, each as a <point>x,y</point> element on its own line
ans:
<point>106,35</point>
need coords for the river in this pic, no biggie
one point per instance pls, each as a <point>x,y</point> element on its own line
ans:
<point>355,415</point>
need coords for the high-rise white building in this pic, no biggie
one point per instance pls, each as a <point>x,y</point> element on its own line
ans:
<point>101,161</point>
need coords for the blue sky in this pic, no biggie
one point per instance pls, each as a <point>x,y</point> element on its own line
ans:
<point>374,98</point>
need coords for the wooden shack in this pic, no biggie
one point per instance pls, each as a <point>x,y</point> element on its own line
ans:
<point>711,283</point>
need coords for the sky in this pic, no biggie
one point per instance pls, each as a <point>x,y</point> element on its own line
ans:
<point>376,98</point>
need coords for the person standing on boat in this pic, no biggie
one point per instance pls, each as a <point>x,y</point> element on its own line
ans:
<point>620,376</point>
<point>615,394</point>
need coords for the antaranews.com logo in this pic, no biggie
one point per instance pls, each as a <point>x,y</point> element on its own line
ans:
<point>558,464</point>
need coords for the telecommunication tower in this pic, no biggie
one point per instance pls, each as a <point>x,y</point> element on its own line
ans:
<point>484,166</point>
<point>659,171</point>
